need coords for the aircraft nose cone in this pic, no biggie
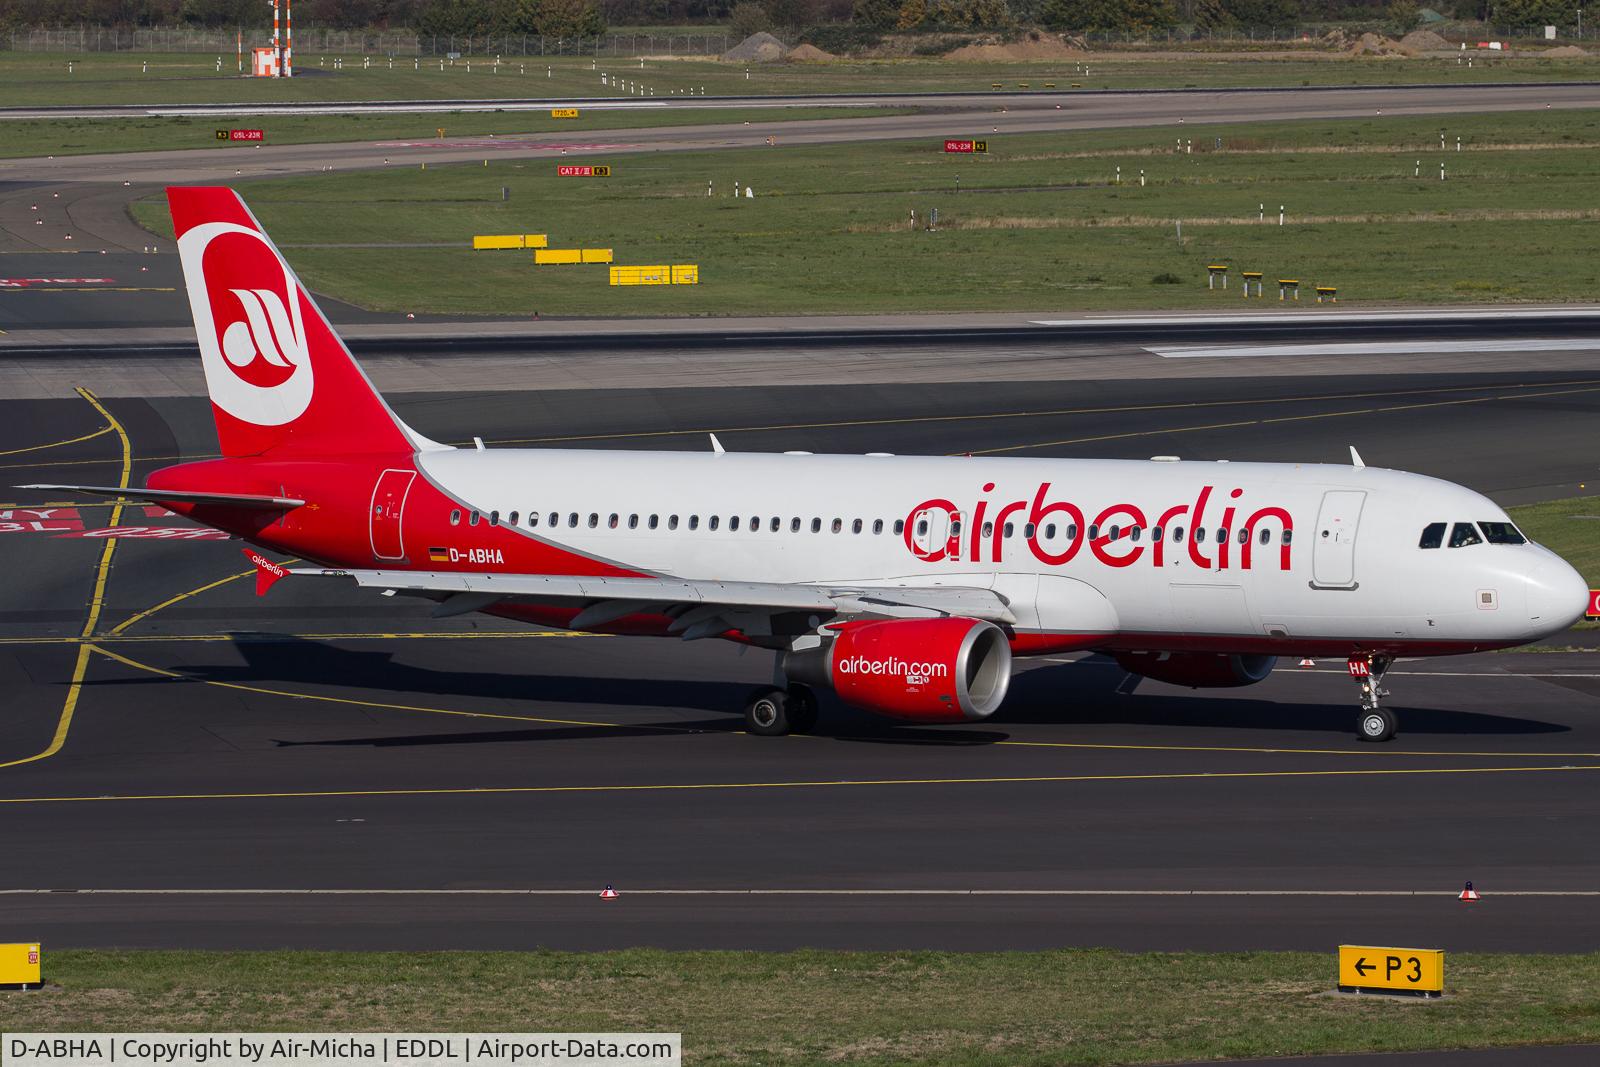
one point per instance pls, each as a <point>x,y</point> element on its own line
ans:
<point>1557,595</point>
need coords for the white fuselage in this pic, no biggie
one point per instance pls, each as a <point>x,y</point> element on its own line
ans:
<point>1351,567</point>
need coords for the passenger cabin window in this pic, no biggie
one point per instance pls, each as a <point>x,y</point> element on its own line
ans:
<point>611,523</point>
<point>777,524</point>
<point>472,518</point>
<point>633,522</point>
<point>733,523</point>
<point>572,519</point>
<point>794,525</point>
<point>855,527</point>
<point>1288,536</point>
<point>533,519</point>
<point>922,527</point>
<point>1265,536</point>
<point>1156,533</point>
<point>816,525</point>
<point>1502,533</point>
<point>838,524</point>
<point>455,516</point>
<point>1222,534</point>
<point>877,526</point>
<point>899,526</point>
<point>694,522</point>
<point>655,520</point>
<point>594,519</point>
<point>1432,535</point>
<point>1049,531</point>
<point>1464,533</point>
<point>1244,535</point>
<point>555,518</point>
<point>1200,534</point>
<point>511,519</point>
<point>672,522</point>
<point>1177,534</point>
<point>711,521</point>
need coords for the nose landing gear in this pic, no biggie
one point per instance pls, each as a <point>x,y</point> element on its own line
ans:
<point>1375,723</point>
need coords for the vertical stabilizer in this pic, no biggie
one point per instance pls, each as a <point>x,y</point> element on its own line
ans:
<point>280,379</point>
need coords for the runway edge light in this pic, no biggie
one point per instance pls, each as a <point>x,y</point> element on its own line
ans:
<point>608,893</point>
<point>1468,895</point>
<point>20,966</point>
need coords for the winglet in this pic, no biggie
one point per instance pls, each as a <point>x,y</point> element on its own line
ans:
<point>268,573</point>
<point>1355,458</point>
<point>716,445</point>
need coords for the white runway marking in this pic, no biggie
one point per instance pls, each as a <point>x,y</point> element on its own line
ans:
<point>1374,348</point>
<point>177,892</point>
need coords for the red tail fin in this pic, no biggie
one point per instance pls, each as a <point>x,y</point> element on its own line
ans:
<point>280,379</point>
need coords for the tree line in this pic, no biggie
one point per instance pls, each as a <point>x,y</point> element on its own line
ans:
<point>558,18</point>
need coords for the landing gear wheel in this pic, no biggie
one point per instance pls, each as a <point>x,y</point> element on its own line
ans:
<point>802,709</point>
<point>767,713</point>
<point>1376,724</point>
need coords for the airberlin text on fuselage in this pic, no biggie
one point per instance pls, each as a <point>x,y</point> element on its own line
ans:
<point>966,542</point>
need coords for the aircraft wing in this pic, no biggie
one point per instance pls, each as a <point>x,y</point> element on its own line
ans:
<point>699,608</point>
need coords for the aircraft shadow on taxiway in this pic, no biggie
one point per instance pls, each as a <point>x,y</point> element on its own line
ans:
<point>1092,691</point>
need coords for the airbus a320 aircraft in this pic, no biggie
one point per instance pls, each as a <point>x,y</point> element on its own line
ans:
<point>906,585</point>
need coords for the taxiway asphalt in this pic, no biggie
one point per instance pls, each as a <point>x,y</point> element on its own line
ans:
<point>330,768</point>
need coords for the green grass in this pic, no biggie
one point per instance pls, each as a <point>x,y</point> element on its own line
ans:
<point>28,78</point>
<point>1038,224</point>
<point>1570,528</point>
<point>42,137</point>
<point>1057,1007</point>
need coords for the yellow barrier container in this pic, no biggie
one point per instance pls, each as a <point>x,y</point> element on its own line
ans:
<point>641,275</point>
<point>535,240</point>
<point>597,255</point>
<point>558,255</point>
<point>492,241</point>
<point>686,274</point>
<point>20,965</point>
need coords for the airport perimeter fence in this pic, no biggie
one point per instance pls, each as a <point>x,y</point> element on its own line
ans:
<point>311,41</point>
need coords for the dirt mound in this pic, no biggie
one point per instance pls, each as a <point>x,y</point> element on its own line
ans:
<point>1425,41</point>
<point>757,48</point>
<point>1372,44</point>
<point>809,53</point>
<point>1566,51</point>
<point>1033,46</point>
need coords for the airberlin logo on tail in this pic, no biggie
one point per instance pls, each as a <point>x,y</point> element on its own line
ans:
<point>247,320</point>
<point>1055,531</point>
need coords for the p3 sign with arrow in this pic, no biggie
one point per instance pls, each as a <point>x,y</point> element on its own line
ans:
<point>1415,971</point>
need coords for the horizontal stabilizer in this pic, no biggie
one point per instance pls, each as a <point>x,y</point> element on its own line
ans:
<point>162,496</point>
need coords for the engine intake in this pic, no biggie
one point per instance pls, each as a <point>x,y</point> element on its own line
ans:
<point>921,670</point>
<point>1198,670</point>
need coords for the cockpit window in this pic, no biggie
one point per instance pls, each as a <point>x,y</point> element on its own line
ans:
<point>1464,533</point>
<point>1432,535</point>
<point>1502,533</point>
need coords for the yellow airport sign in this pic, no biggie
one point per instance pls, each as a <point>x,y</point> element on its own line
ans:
<point>563,112</point>
<point>20,965</point>
<point>1417,971</point>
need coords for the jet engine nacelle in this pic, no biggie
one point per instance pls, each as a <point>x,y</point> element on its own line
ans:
<point>1198,670</point>
<point>922,670</point>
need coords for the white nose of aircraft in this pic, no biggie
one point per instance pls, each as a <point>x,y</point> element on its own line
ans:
<point>1557,595</point>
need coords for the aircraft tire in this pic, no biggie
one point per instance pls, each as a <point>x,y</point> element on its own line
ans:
<point>767,713</point>
<point>802,709</point>
<point>1376,725</point>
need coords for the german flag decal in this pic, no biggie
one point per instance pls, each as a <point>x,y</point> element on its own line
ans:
<point>438,555</point>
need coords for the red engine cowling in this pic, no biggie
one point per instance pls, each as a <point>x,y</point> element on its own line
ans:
<point>923,670</point>
<point>1198,670</point>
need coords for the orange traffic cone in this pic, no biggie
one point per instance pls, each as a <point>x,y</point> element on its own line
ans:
<point>608,894</point>
<point>1308,662</point>
<point>1468,895</point>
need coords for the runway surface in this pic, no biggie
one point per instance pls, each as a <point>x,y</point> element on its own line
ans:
<point>329,768</point>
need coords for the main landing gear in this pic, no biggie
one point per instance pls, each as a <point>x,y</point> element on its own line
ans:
<point>1376,723</point>
<point>773,712</point>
